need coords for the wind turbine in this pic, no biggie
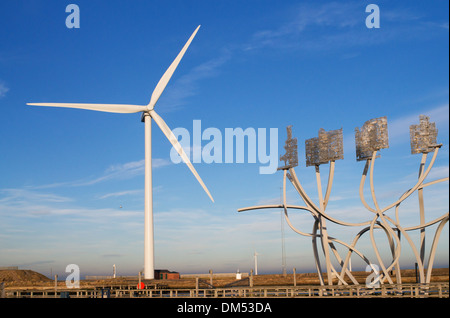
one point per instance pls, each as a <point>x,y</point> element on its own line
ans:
<point>255,256</point>
<point>148,113</point>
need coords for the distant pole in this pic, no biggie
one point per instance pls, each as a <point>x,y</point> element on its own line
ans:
<point>196,286</point>
<point>417,276</point>
<point>283,250</point>
<point>114,271</point>
<point>56,284</point>
<point>295,278</point>
<point>211,277</point>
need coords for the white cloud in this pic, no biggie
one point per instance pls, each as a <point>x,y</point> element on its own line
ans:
<point>186,86</point>
<point>25,203</point>
<point>319,26</point>
<point>122,193</point>
<point>437,173</point>
<point>3,89</point>
<point>334,16</point>
<point>127,170</point>
<point>22,195</point>
<point>399,128</point>
<point>114,172</point>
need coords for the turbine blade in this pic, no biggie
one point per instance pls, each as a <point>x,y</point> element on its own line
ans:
<point>168,74</point>
<point>110,108</point>
<point>173,140</point>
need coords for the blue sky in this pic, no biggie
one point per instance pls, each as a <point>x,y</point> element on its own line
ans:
<point>71,186</point>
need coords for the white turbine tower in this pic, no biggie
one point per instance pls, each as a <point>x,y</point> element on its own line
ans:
<point>255,257</point>
<point>148,113</point>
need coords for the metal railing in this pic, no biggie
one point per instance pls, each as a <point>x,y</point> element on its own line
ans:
<point>432,290</point>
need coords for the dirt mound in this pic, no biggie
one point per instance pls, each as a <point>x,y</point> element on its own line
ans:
<point>21,275</point>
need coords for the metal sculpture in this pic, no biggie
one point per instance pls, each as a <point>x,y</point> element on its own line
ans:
<point>373,136</point>
<point>290,158</point>
<point>370,139</point>
<point>325,148</point>
<point>148,113</point>
<point>423,136</point>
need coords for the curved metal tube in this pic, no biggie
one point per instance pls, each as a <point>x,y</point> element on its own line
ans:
<point>361,187</point>
<point>372,189</point>
<point>433,248</point>
<point>296,183</point>
<point>419,182</point>
<point>344,270</point>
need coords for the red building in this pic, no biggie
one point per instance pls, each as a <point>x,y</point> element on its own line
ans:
<point>166,274</point>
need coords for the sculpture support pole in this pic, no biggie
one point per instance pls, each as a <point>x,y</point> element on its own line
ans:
<point>149,259</point>
<point>386,226</point>
<point>323,228</point>
<point>433,248</point>
<point>422,210</point>
<point>329,185</point>
<point>361,186</point>
<point>372,189</point>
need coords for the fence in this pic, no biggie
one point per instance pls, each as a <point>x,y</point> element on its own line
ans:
<point>435,290</point>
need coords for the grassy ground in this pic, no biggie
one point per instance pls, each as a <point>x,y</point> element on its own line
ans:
<point>27,278</point>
